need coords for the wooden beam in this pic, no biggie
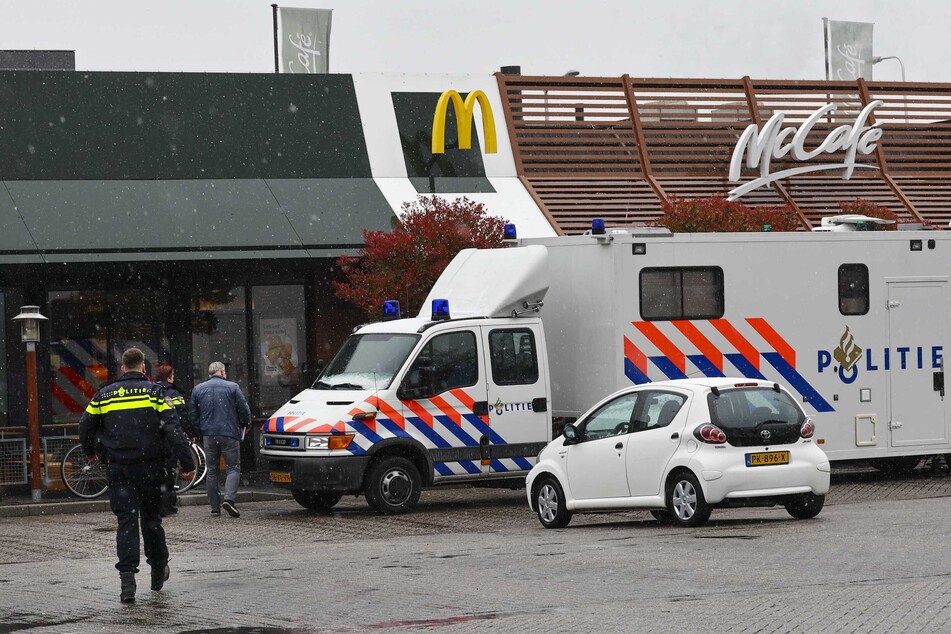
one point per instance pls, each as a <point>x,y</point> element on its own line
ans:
<point>880,157</point>
<point>541,205</point>
<point>640,139</point>
<point>776,185</point>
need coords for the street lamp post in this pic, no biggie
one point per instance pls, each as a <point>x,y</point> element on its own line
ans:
<point>901,64</point>
<point>30,319</point>
<point>876,60</point>
<point>570,73</point>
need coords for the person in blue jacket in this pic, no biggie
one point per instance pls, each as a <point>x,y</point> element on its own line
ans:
<point>218,409</point>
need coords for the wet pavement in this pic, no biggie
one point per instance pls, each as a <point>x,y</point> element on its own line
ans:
<point>477,560</point>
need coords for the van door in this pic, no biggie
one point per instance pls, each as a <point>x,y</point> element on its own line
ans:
<point>517,396</point>
<point>917,319</point>
<point>443,399</point>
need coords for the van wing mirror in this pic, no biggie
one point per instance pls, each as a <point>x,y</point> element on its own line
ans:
<point>417,384</point>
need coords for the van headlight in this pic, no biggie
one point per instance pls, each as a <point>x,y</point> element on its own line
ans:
<point>336,441</point>
<point>317,442</point>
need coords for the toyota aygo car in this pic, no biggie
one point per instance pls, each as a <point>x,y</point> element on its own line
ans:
<point>681,448</point>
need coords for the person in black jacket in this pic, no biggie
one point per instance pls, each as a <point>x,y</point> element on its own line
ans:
<point>132,420</point>
<point>164,375</point>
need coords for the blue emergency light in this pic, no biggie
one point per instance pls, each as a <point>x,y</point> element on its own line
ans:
<point>509,232</point>
<point>597,227</point>
<point>440,309</point>
<point>391,310</point>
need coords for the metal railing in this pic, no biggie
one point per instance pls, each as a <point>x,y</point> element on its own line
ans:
<point>54,448</point>
<point>13,461</point>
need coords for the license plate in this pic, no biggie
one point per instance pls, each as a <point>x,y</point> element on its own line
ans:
<point>280,476</point>
<point>765,458</point>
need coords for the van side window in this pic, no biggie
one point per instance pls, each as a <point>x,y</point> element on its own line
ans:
<point>446,362</point>
<point>513,356</point>
<point>853,289</point>
<point>681,292</point>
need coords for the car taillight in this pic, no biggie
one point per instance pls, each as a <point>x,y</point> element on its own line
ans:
<point>710,434</point>
<point>808,429</point>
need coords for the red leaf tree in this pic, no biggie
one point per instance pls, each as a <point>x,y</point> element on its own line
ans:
<point>871,209</point>
<point>404,263</point>
<point>718,214</point>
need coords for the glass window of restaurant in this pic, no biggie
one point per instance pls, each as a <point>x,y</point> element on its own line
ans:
<point>278,350</point>
<point>89,330</point>
<point>4,398</point>
<point>220,333</point>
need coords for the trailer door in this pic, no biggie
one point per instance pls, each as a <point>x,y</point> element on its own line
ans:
<point>917,319</point>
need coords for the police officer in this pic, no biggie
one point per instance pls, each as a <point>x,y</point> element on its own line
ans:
<point>133,421</point>
<point>164,375</point>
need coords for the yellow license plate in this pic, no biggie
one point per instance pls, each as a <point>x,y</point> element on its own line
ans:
<point>763,458</point>
<point>280,476</point>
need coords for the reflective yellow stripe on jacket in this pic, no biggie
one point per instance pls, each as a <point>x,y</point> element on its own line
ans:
<point>139,401</point>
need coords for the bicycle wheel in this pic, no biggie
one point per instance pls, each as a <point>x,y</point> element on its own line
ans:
<point>198,457</point>
<point>83,478</point>
<point>202,466</point>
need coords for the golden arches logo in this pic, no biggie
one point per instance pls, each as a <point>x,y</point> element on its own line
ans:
<point>464,113</point>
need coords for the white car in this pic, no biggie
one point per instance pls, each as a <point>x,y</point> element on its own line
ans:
<point>680,448</point>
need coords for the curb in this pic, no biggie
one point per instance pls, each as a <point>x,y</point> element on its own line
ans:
<point>199,498</point>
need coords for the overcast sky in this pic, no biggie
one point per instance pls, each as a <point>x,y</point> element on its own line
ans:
<point>672,38</point>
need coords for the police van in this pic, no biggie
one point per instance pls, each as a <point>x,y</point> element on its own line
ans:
<point>513,341</point>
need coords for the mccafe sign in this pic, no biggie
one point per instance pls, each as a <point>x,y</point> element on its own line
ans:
<point>773,141</point>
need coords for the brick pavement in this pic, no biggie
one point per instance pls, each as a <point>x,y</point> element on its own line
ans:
<point>476,560</point>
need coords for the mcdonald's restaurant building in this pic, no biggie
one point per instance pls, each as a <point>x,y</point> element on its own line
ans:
<point>200,216</point>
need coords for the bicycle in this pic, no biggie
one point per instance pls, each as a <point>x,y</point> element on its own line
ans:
<point>87,479</point>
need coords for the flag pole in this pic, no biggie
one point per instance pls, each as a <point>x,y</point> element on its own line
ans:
<point>277,62</point>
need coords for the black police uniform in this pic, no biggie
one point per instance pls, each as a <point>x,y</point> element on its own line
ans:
<point>174,394</point>
<point>133,421</point>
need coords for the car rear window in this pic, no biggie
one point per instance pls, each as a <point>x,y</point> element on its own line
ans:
<point>756,416</point>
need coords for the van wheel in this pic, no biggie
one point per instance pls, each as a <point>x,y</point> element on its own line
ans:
<point>686,503</point>
<point>550,504</point>
<point>805,506</point>
<point>316,500</point>
<point>392,486</point>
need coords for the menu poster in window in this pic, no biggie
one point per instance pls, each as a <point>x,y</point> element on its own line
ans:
<point>279,349</point>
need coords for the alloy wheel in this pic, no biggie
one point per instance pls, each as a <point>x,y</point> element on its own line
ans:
<point>548,502</point>
<point>684,500</point>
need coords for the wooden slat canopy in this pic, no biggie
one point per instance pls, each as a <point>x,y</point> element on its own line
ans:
<point>617,147</point>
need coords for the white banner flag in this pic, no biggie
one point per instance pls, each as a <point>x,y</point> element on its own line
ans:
<point>305,40</point>
<point>848,50</point>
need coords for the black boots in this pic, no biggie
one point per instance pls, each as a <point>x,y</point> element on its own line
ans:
<point>127,593</point>
<point>159,576</point>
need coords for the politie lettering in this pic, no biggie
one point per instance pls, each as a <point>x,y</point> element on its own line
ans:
<point>904,358</point>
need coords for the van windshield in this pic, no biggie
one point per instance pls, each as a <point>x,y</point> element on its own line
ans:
<point>366,362</point>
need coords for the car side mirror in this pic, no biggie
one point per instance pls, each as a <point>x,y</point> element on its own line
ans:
<point>571,434</point>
